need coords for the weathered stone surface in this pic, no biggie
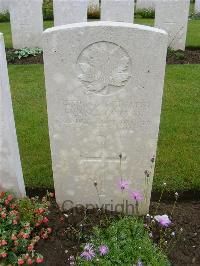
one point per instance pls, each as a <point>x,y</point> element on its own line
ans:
<point>146,4</point>
<point>172,16</point>
<point>69,11</point>
<point>11,178</point>
<point>117,10</point>
<point>26,23</point>
<point>104,94</point>
<point>197,6</point>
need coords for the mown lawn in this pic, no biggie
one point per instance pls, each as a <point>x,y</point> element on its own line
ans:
<point>178,159</point>
<point>193,35</point>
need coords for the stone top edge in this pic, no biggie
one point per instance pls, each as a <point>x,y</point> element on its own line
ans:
<point>104,23</point>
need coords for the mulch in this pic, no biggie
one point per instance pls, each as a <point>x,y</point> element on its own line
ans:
<point>65,240</point>
<point>179,57</point>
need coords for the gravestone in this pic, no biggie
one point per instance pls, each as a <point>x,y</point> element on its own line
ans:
<point>172,16</point>
<point>69,11</point>
<point>26,23</point>
<point>11,178</point>
<point>117,10</point>
<point>3,6</point>
<point>197,6</point>
<point>104,94</point>
<point>146,4</point>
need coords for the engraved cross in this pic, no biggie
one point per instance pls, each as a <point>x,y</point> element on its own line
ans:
<point>104,158</point>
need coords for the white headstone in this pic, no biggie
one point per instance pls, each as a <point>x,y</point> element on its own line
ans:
<point>3,6</point>
<point>117,10</point>
<point>26,23</point>
<point>197,6</point>
<point>146,4</point>
<point>11,178</point>
<point>104,94</point>
<point>69,11</point>
<point>172,16</point>
<point>93,5</point>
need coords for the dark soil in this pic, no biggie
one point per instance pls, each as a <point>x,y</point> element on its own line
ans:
<point>186,57</point>
<point>12,59</point>
<point>179,57</point>
<point>65,241</point>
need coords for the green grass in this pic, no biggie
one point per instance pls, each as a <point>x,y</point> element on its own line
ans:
<point>27,83</point>
<point>128,242</point>
<point>193,35</point>
<point>178,160</point>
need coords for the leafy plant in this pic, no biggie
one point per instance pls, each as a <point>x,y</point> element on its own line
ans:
<point>195,15</point>
<point>4,17</point>
<point>22,223</point>
<point>127,242</point>
<point>48,9</point>
<point>25,52</point>
<point>146,13</point>
<point>179,55</point>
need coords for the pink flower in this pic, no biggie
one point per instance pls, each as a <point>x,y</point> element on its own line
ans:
<point>88,252</point>
<point>139,263</point>
<point>3,215</point>
<point>136,195</point>
<point>3,242</point>
<point>45,220</point>
<point>39,259</point>
<point>163,220</point>
<point>3,254</point>
<point>10,197</point>
<point>123,184</point>
<point>20,262</point>
<point>30,247</point>
<point>29,261</point>
<point>103,250</point>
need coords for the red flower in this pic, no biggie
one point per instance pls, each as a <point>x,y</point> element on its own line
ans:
<point>45,220</point>
<point>13,237</point>
<point>3,242</point>
<point>30,247</point>
<point>7,202</point>
<point>26,256</point>
<point>49,230</point>
<point>10,197</point>
<point>3,215</point>
<point>39,260</point>
<point>20,261</point>
<point>29,261</point>
<point>2,194</point>
<point>25,236</point>
<point>40,211</point>
<point>3,254</point>
<point>14,222</point>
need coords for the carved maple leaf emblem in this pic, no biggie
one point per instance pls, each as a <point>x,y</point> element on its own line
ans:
<point>104,66</point>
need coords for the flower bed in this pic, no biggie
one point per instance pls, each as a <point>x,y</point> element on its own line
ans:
<point>22,224</point>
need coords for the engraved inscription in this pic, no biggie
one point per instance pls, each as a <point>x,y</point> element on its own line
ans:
<point>115,114</point>
<point>104,68</point>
